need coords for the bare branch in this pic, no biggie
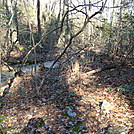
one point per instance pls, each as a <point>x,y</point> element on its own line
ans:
<point>87,20</point>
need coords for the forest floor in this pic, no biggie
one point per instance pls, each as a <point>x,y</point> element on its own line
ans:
<point>69,103</point>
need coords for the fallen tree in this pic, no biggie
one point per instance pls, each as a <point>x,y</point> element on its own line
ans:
<point>107,67</point>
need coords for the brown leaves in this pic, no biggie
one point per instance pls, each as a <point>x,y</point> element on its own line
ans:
<point>81,95</point>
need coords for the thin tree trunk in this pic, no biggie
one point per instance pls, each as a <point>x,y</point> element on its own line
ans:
<point>38,19</point>
<point>16,20</point>
<point>0,65</point>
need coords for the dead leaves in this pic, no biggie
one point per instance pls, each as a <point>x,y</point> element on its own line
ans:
<point>59,92</point>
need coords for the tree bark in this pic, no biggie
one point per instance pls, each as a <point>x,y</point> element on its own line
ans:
<point>38,19</point>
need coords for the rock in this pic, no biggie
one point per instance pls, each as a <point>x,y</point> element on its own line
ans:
<point>106,106</point>
<point>44,100</point>
<point>117,130</point>
<point>48,64</point>
<point>70,112</point>
<point>74,133</point>
<point>87,133</point>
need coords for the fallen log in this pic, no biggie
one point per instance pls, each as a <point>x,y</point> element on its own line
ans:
<point>108,67</point>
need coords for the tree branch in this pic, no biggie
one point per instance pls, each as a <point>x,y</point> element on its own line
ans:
<point>87,20</point>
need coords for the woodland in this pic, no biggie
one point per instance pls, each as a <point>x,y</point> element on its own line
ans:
<point>66,67</point>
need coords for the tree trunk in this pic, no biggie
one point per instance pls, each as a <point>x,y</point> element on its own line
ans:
<point>38,19</point>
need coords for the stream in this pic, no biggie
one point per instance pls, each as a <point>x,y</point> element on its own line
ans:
<point>6,75</point>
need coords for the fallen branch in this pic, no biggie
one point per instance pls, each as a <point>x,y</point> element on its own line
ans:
<point>100,70</point>
<point>108,67</point>
<point>8,66</point>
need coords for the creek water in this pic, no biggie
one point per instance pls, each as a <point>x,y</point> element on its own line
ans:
<point>5,74</point>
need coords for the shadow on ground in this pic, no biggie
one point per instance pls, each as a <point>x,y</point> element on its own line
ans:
<point>68,107</point>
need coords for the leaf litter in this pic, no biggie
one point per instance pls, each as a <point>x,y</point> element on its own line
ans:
<point>62,95</point>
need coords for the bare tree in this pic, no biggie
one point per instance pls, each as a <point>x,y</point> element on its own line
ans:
<point>87,20</point>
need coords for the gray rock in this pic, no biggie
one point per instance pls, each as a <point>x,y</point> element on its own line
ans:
<point>87,133</point>
<point>48,64</point>
<point>117,130</point>
<point>70,112</point>
<point>106,106</point>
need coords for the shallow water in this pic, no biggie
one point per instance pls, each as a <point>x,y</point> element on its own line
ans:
<point>5,74</point>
